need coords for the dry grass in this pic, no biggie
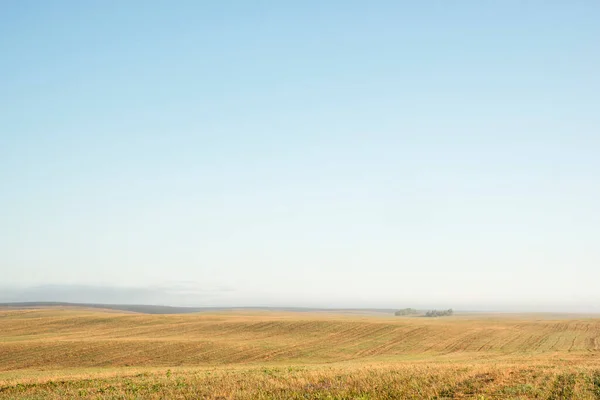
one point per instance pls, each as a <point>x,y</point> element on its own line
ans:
<point>92,354</point>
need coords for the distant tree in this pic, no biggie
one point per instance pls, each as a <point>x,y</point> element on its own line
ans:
<point>406,311</point>
<point>436,313</point>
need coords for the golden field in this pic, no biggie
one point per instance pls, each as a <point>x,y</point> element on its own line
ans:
<point>79,353</point>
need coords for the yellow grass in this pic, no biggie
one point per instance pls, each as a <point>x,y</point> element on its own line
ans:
<point>74,353</point>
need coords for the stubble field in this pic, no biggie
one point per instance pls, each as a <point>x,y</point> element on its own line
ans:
<point>79,353</point>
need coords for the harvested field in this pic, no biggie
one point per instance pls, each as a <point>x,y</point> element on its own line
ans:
<point>77,353</point>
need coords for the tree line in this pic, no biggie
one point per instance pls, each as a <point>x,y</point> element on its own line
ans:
<point>406,311</point>
<point>436,313</point>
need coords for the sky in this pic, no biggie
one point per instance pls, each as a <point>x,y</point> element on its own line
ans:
<point>315,153</point>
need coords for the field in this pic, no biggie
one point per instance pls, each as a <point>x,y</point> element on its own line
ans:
<point>79,353</point>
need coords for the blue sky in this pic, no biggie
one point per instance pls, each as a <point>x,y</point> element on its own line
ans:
<point>336,153</point>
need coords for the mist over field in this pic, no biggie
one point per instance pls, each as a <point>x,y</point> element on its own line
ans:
<point>172,295</point>
<point>187,294</point>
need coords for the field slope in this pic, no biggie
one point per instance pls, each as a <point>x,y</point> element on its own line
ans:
<point>71,353</point>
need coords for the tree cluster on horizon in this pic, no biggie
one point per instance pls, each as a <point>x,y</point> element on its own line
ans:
<point>406,311</point>
<point>436,313</point>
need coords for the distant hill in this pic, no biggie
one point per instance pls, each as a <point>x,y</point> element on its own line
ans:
<point>157,309</point>
<point>138,308</point>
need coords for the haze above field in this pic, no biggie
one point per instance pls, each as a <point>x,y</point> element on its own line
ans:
<point>322,154</point>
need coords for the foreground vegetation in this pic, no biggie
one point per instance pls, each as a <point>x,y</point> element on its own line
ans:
<point>432,381</point>
<point>60,354</point>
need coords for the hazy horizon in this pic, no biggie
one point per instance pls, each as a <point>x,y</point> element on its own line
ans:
<point>330,154</point>
<point>188,294</point>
